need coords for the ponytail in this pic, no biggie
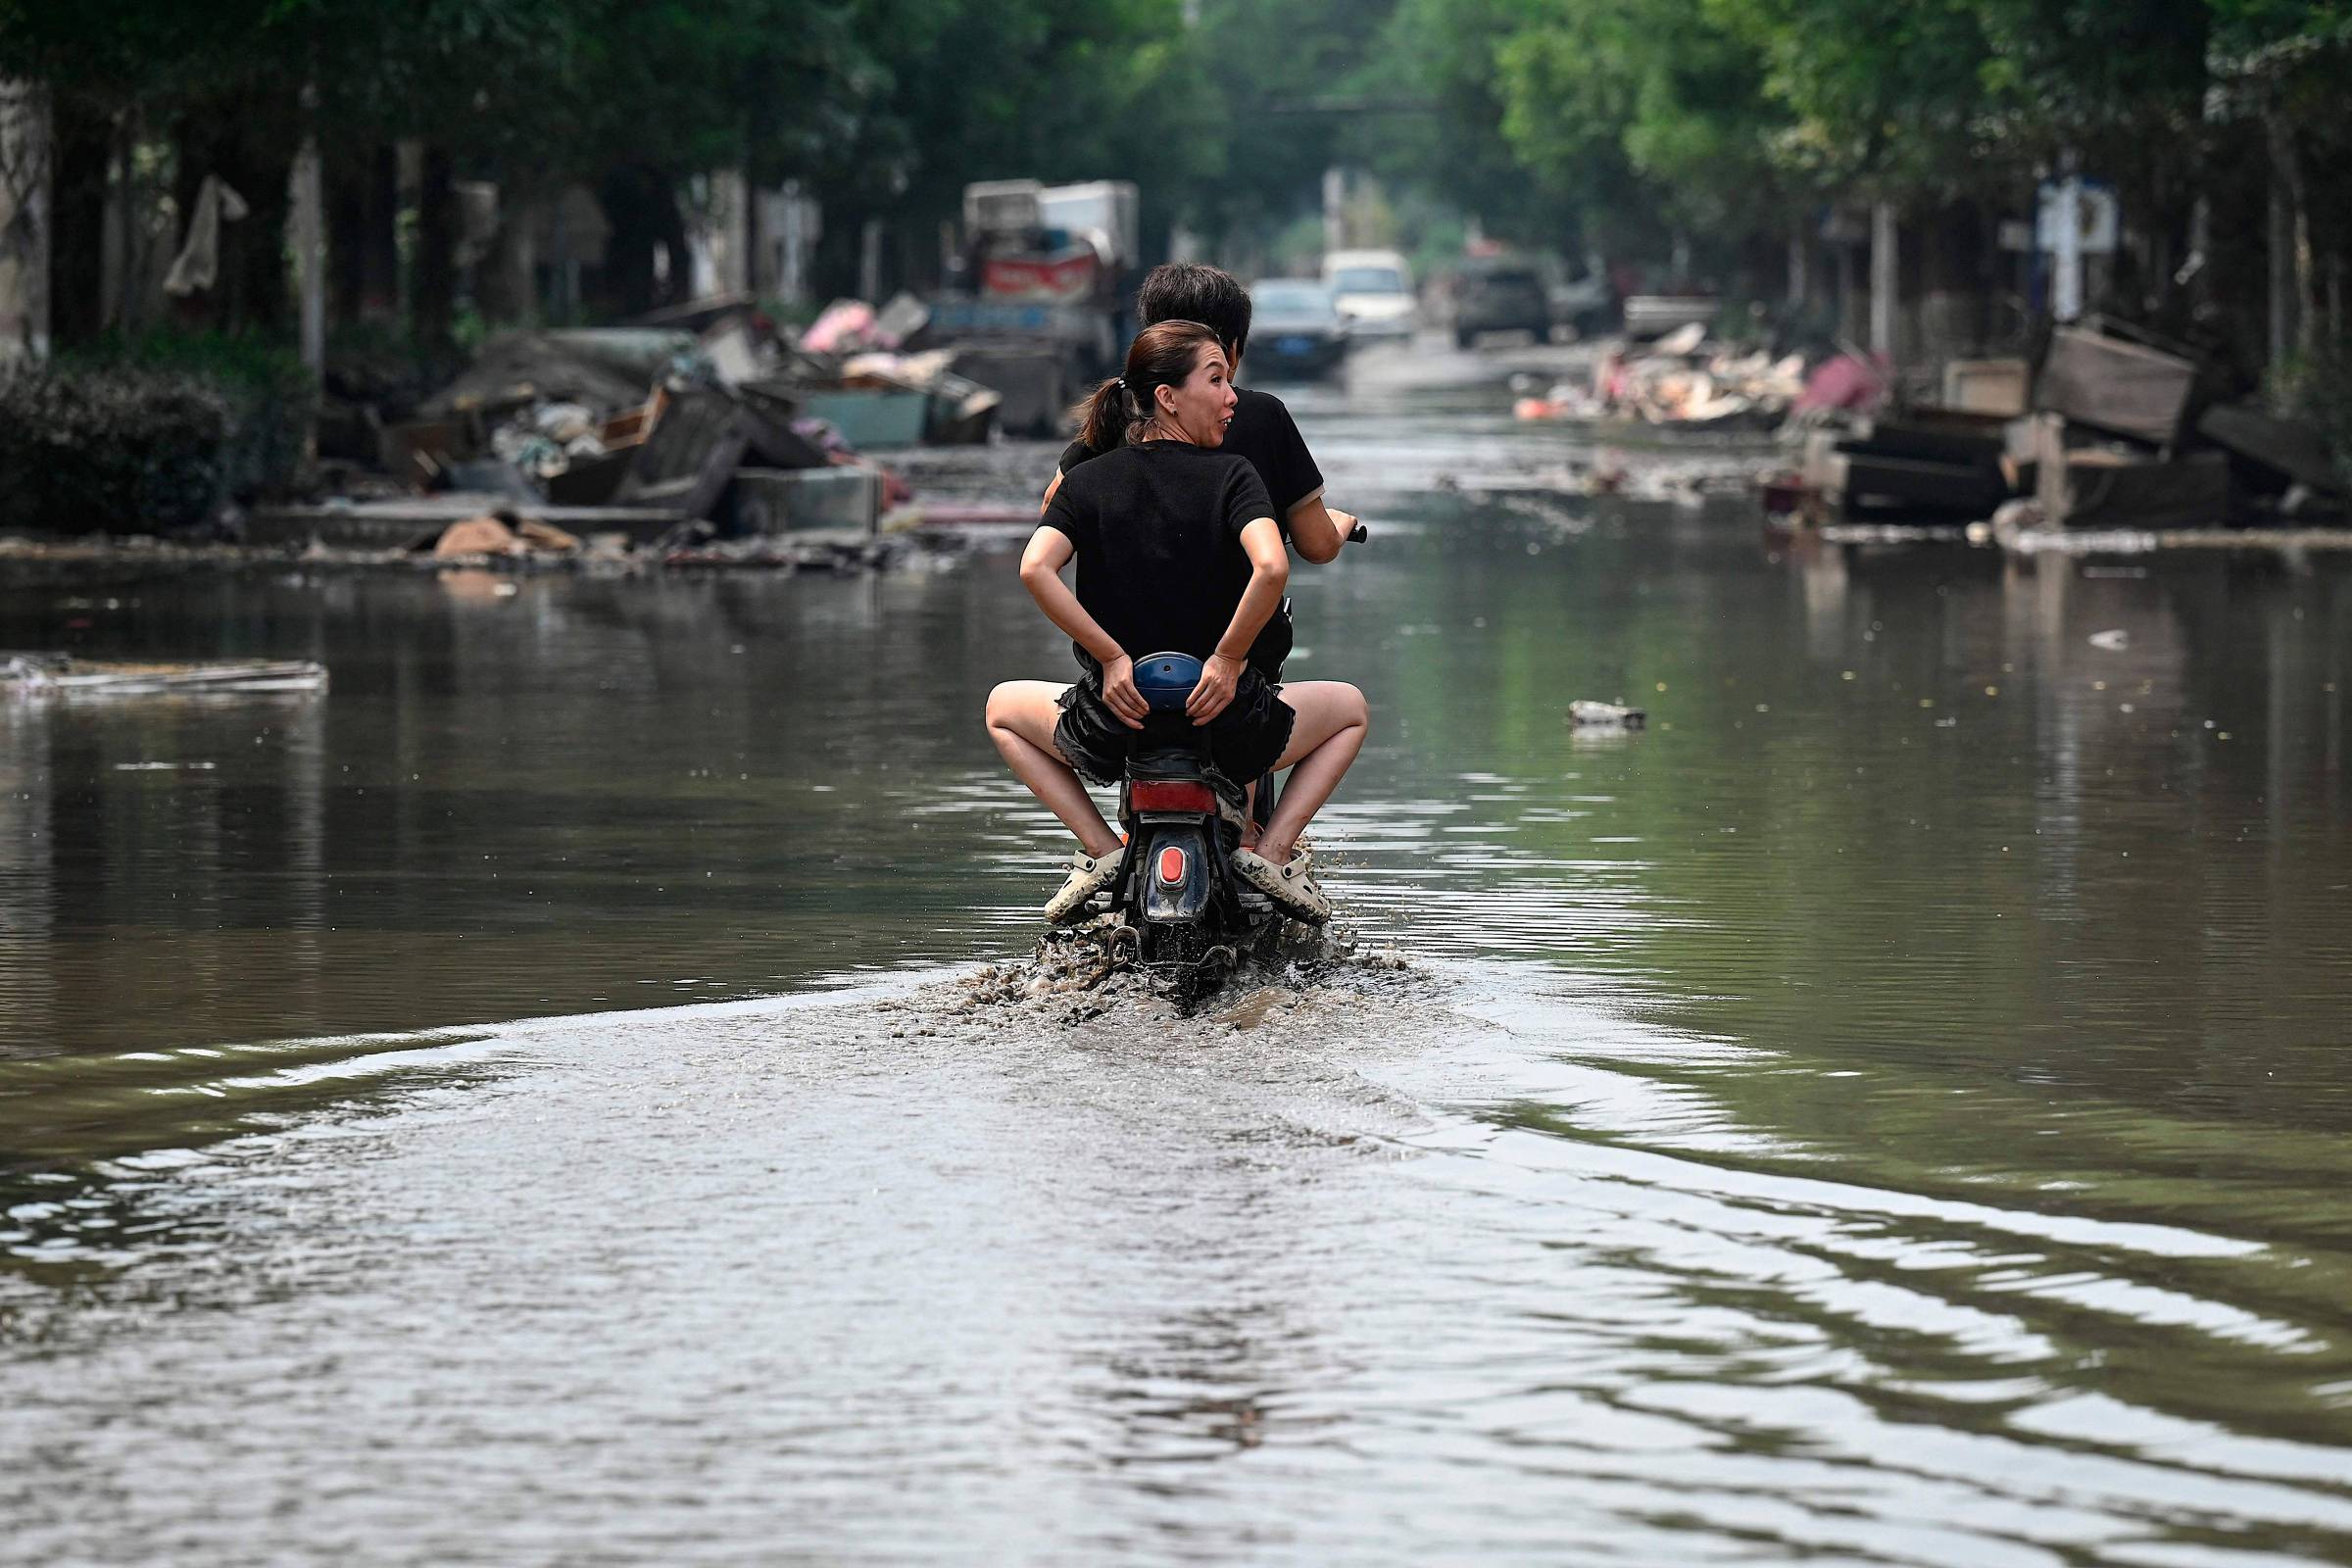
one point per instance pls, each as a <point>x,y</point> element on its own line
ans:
<point>1162,354</point>
<point>1106,414</point>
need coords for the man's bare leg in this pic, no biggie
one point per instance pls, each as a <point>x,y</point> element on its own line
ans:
<point>1021,714</point>
<point>1333,720</point>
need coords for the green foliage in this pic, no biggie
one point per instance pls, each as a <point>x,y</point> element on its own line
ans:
<point>111,449</point>
<point>1594,90</point>
<point>1443,54</point>
<point>270,397</point>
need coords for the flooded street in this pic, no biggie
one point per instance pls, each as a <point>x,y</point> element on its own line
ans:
<point>524,1106</point>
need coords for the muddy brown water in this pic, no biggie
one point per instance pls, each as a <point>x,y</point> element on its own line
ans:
<point>528,1104</point>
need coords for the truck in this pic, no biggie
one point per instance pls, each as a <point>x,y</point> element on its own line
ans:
<point>1038,311</point>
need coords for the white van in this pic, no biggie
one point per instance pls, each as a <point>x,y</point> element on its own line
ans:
<point>1375,293</point>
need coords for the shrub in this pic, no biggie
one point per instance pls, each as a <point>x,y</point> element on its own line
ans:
<point>271,395</point>
<point>151,435</point>
<point>112,450</point>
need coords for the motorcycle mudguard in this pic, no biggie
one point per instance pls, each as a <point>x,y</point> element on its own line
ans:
<point>1187,900</point>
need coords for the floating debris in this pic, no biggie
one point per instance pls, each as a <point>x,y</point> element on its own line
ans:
<point>63,676</point>
<point>1606,716</point>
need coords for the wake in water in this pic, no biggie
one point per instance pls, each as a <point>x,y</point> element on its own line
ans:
<point>1091,972</point>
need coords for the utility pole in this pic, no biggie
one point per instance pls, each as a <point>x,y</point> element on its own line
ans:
<point>1885,275</point>
<point>308,220</point>
<point>870,261</point>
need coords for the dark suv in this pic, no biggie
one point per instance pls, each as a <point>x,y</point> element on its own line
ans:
<point>1501,297</point>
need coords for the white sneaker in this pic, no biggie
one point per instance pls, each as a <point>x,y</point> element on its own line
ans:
<point>1291,887</point>
<point>1088,876</point>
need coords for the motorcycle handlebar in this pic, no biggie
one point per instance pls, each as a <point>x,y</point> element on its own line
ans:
<point>1358,534</point>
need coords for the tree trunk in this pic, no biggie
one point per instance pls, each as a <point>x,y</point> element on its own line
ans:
<point>629,199</point>
<point>263,174</point>
<point>346,237</point>
<point>437,283</point>
<point>379,246</point>
<point>2291,232</point>
<point>83,149</point>
<point>364,234</point>
<point>669,229</point>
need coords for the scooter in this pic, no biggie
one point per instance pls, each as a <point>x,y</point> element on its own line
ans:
<point>1182,908</point>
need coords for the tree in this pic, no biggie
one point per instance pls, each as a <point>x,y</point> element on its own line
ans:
<point>1595,91</point>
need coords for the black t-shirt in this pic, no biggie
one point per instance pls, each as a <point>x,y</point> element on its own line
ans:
<point>1158,531</point>
<point>1262,432</point>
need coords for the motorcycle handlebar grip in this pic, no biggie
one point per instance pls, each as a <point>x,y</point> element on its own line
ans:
<point>1358,534</point>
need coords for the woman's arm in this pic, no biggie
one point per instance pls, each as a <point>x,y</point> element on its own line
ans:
<point>1270,575</point>
<point>1048,551</point>
<point>1050,490</point>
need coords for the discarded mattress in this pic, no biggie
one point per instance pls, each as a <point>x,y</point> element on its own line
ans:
<point>63,676</point>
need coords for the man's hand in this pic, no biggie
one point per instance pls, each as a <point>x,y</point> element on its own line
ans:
<point>1120,695</point>
<point>1342,524</point>
<point>1219,676</point>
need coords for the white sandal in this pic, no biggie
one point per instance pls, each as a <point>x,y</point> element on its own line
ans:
<point>1291,887</point>
<point>1089,875</point>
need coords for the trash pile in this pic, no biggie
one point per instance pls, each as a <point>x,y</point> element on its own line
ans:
<point>2111,430</point>
<point>1681,381</point>
<point>704,434</point>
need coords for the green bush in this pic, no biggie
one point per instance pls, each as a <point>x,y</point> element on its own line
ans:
<point>271,395</point>
<point>150,435</point>
<point>111,451</point>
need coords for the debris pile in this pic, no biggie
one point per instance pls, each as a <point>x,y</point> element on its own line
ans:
<point>1682,381</point>
<point>2112,431</point>
<point>704,435</point>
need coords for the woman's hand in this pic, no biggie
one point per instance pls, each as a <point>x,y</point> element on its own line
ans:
<point>1120,693</point>
<point>1219,676</point>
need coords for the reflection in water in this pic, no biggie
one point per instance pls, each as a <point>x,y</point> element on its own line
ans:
<point>27,983</point>
<point>1892,1110</point>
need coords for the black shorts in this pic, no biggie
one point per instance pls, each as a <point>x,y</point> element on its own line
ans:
<point>1243,741</point>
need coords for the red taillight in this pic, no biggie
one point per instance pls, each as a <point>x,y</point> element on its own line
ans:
<point>1171,866</point>
<point>1160,796</point>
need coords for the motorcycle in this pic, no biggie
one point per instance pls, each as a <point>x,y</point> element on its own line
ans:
<point>1182,908</point>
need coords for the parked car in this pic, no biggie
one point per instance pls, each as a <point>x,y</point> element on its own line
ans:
<point>1296,329</point>
<point>1586,304</point>
<point>1375,293</point>
<point>1500,296</point>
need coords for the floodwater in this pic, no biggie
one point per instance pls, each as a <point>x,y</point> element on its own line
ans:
<point>521,1107</point>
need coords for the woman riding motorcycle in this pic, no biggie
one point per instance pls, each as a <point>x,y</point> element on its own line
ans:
<point>1177,552</point>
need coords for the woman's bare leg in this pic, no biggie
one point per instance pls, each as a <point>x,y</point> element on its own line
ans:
<point>1329,731</point>
<point>1020,719</point>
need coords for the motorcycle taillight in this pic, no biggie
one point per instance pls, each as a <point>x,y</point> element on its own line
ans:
<point>1170,794</point>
